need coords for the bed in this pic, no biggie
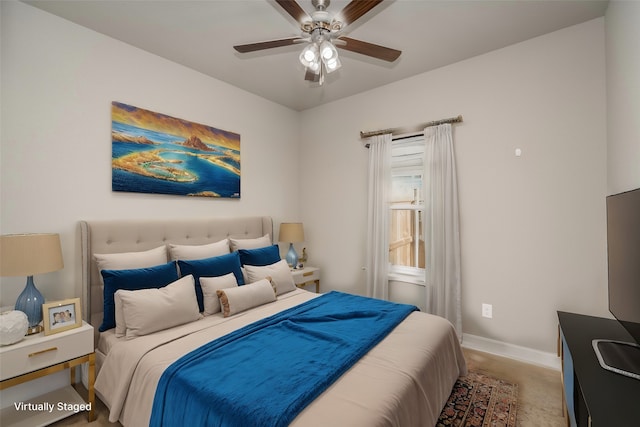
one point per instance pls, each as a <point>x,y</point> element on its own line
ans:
<point>402,379</point>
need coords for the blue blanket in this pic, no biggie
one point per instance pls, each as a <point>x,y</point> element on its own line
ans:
<point>267,372</point>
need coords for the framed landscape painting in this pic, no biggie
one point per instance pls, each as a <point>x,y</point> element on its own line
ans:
<point>156,153</point>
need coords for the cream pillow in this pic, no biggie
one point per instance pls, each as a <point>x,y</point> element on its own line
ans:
<point>256,243</point>
<point>129,260</point>
<point>279,272</point>
<point>241,298</point>
<point>150,310</point>
<point>121,327</point>
<point>193,252</point>
<point>209,287</point>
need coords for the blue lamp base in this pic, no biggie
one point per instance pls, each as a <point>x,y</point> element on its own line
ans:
<point>30,303</point>
<point>292,257</point>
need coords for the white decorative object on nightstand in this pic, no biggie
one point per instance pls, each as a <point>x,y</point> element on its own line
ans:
<point>13,327</point>
<point>305,276</point>
<point>37,356</point>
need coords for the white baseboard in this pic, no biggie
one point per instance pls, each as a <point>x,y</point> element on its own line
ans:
<point>512,351</point>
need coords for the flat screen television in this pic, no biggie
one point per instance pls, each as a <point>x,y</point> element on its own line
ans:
<point>623,255</point>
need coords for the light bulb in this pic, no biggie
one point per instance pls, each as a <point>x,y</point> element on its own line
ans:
<point>314,66</point>
<point>332,64</point>
<point>328,50</point>
<point>309,55</point>
<point>327,53</point>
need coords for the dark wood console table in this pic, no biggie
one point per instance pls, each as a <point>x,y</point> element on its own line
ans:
<point>594,397</point>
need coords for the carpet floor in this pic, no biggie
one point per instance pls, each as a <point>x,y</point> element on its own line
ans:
<point>539,388</point>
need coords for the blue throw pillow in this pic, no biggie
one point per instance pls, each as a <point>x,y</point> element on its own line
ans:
<point>261,256</point>
<point>211,267</point>
<point>132,280</point>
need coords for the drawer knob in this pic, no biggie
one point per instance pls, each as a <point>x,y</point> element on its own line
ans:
<point>309,273</point>
<point>43,351</point>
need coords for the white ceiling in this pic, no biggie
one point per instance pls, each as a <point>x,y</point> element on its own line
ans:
<point>430,34</point>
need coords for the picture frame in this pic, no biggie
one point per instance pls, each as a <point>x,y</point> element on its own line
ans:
<point>59,316</point>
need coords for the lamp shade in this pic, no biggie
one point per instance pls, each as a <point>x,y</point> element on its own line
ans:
<point>30,254</point>
<point>291,232</point>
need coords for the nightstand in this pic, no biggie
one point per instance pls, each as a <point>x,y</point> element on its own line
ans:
<point>37,356</point>
<point>305,276</point>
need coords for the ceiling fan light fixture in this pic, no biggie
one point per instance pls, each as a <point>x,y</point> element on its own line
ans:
<point>329,55</point>
<point>309,55</point>
<point>328,50</point>
<point>332,64</point>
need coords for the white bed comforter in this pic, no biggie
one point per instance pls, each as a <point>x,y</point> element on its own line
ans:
<point>404,381</point>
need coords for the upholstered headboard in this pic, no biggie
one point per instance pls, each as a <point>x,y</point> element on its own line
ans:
<point>104,237</point>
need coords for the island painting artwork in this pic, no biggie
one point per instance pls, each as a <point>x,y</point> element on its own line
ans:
<point>156,153</point>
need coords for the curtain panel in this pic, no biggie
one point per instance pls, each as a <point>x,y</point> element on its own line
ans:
<point>379,183</point>
<point>442,229</point>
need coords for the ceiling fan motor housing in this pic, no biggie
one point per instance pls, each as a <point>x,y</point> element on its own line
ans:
<point>320,4</point>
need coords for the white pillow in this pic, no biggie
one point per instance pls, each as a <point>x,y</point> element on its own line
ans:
<point>256,243</point>
<point>241,298</point>
<point>150,310</point>
<point>279,272</point>
<point>192,252</point>
<point>129,260</point>
<point>209,287</point>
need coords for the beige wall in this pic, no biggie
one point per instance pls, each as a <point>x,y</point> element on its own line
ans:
<point>533,230</point>
<point>58,81</point>
<point>623,95</point>
<point>533,234</point>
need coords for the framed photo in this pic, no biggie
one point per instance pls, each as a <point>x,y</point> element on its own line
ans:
<point>61,315</point>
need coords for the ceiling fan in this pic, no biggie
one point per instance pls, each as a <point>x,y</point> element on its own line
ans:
<point>322,31</point>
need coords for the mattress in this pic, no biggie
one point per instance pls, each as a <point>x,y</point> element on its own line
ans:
<point>404,381</point>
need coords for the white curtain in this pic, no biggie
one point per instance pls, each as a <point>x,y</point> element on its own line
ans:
<point>377,262</point>
<point>442,230</point>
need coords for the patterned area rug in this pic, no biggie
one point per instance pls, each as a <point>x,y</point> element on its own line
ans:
<point>478,400</point>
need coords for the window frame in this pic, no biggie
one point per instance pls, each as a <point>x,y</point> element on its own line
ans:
<point>409,168</point>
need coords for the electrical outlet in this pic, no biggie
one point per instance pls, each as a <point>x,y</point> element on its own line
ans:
<point>487,310</point>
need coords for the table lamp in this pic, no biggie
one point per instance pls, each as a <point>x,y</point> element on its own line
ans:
<point>28,255</point>
<point>291,232</point>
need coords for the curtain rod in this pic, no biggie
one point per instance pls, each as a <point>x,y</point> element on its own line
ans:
<point>414,129</point>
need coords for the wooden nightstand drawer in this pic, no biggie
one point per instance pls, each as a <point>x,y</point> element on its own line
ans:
<point>39,351</point>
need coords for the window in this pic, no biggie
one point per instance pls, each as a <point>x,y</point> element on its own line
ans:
<point>407,208</point>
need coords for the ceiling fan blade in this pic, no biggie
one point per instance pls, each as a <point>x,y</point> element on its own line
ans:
<point>252,47</point>
<point>369,49</point>
<point>294,9</point>
<point>355,10</point>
